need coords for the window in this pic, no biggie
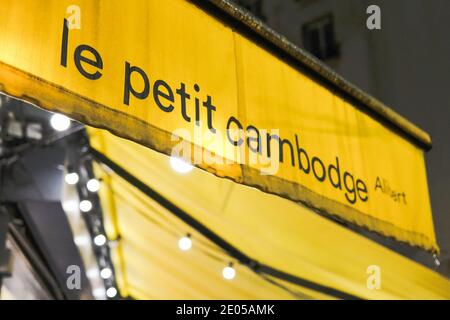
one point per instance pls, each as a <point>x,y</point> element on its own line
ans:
<point>319,38</point>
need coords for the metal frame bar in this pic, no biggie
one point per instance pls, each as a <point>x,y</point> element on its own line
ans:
<point>36,261</point>
<point>5,254</point>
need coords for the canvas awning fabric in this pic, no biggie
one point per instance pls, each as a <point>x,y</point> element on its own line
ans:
<point>277,233</point>
<point>147,71</point>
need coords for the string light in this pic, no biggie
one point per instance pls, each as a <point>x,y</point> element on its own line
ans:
<point>103,277</point>
<point>60,122</point>
<point>70,206</point>
<point>180,165</point>
<point>71,178</point>
<point>82,240</point>
<point>85,206</point>
<point>106,273</point>
<point>100,240</point>
<point>185,243</point>
<point>92,273</point>
<point>229,272</point>
<point>111,292</point>
<point>436,260</point>
<point>99,293</point>
<point>93,185</point>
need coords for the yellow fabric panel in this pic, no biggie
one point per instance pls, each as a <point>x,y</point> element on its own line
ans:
<point>329,127</point>
<point>149,265</point>
<point>272,230</point>
<point>167,41</point>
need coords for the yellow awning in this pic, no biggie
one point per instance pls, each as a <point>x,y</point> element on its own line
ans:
<point>147,71</point>
<point>275,232</point>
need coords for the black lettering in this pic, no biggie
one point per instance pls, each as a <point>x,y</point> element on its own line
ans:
<point>335,169</point>
<point>281,150</point>
<point>64,43</point>
<point>98,63</point>
<point>197,106</point>
<point>378,184</point>
<point>350,189</point>
<point>256,139</point>
<point>184,96</point>
<point>239,125</point>
<point>168,95</point>
<point>129,88</point>
<point>324,171</point>
<point>404,197</point>
<point>301,151</point>
<point>395,196</point>
<point>210,108</point>
<point>361,188</point>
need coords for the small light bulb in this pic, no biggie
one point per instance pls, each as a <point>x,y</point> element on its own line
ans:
<point>92,273</point>
<point>70,206</point>
<point>111,292</point>
<point>82,240</point>
<point>85,206</point>
<point>106,273</point>
<point>229,272</point>
<point>185,243</point>
<point>93,185</point>
<point>60,122</point>
<point>71,178</point>
<point>436,260</point>
<point>180,165</point>
<point>100,240</point>
<point>99,293</point>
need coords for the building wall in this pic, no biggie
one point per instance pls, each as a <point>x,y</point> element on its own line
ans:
<point>406,65</point>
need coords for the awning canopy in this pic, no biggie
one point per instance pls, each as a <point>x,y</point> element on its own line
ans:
<point>240,100</point>
<point>279,234</point>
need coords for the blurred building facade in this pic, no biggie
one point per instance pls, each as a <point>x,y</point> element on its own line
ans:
<point>405,64</point>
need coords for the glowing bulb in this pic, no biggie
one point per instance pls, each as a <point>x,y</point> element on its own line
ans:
<point>228,272</point>
<point>85,206</point>
<point>70,206</point>
<point>93,185</point>
<point>60,122</point>
<point>436,260</point>
<point>92,273</point>
<point>71,178</point>
<point>81,240</point>
<point>111,292</point>
<point>100,240</point>
<point>106,273</point>
<point>99,293</point>
<point>180,165</point>
<point>185,243</point>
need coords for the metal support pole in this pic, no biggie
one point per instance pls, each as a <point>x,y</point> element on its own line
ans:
<point>5,254</point>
